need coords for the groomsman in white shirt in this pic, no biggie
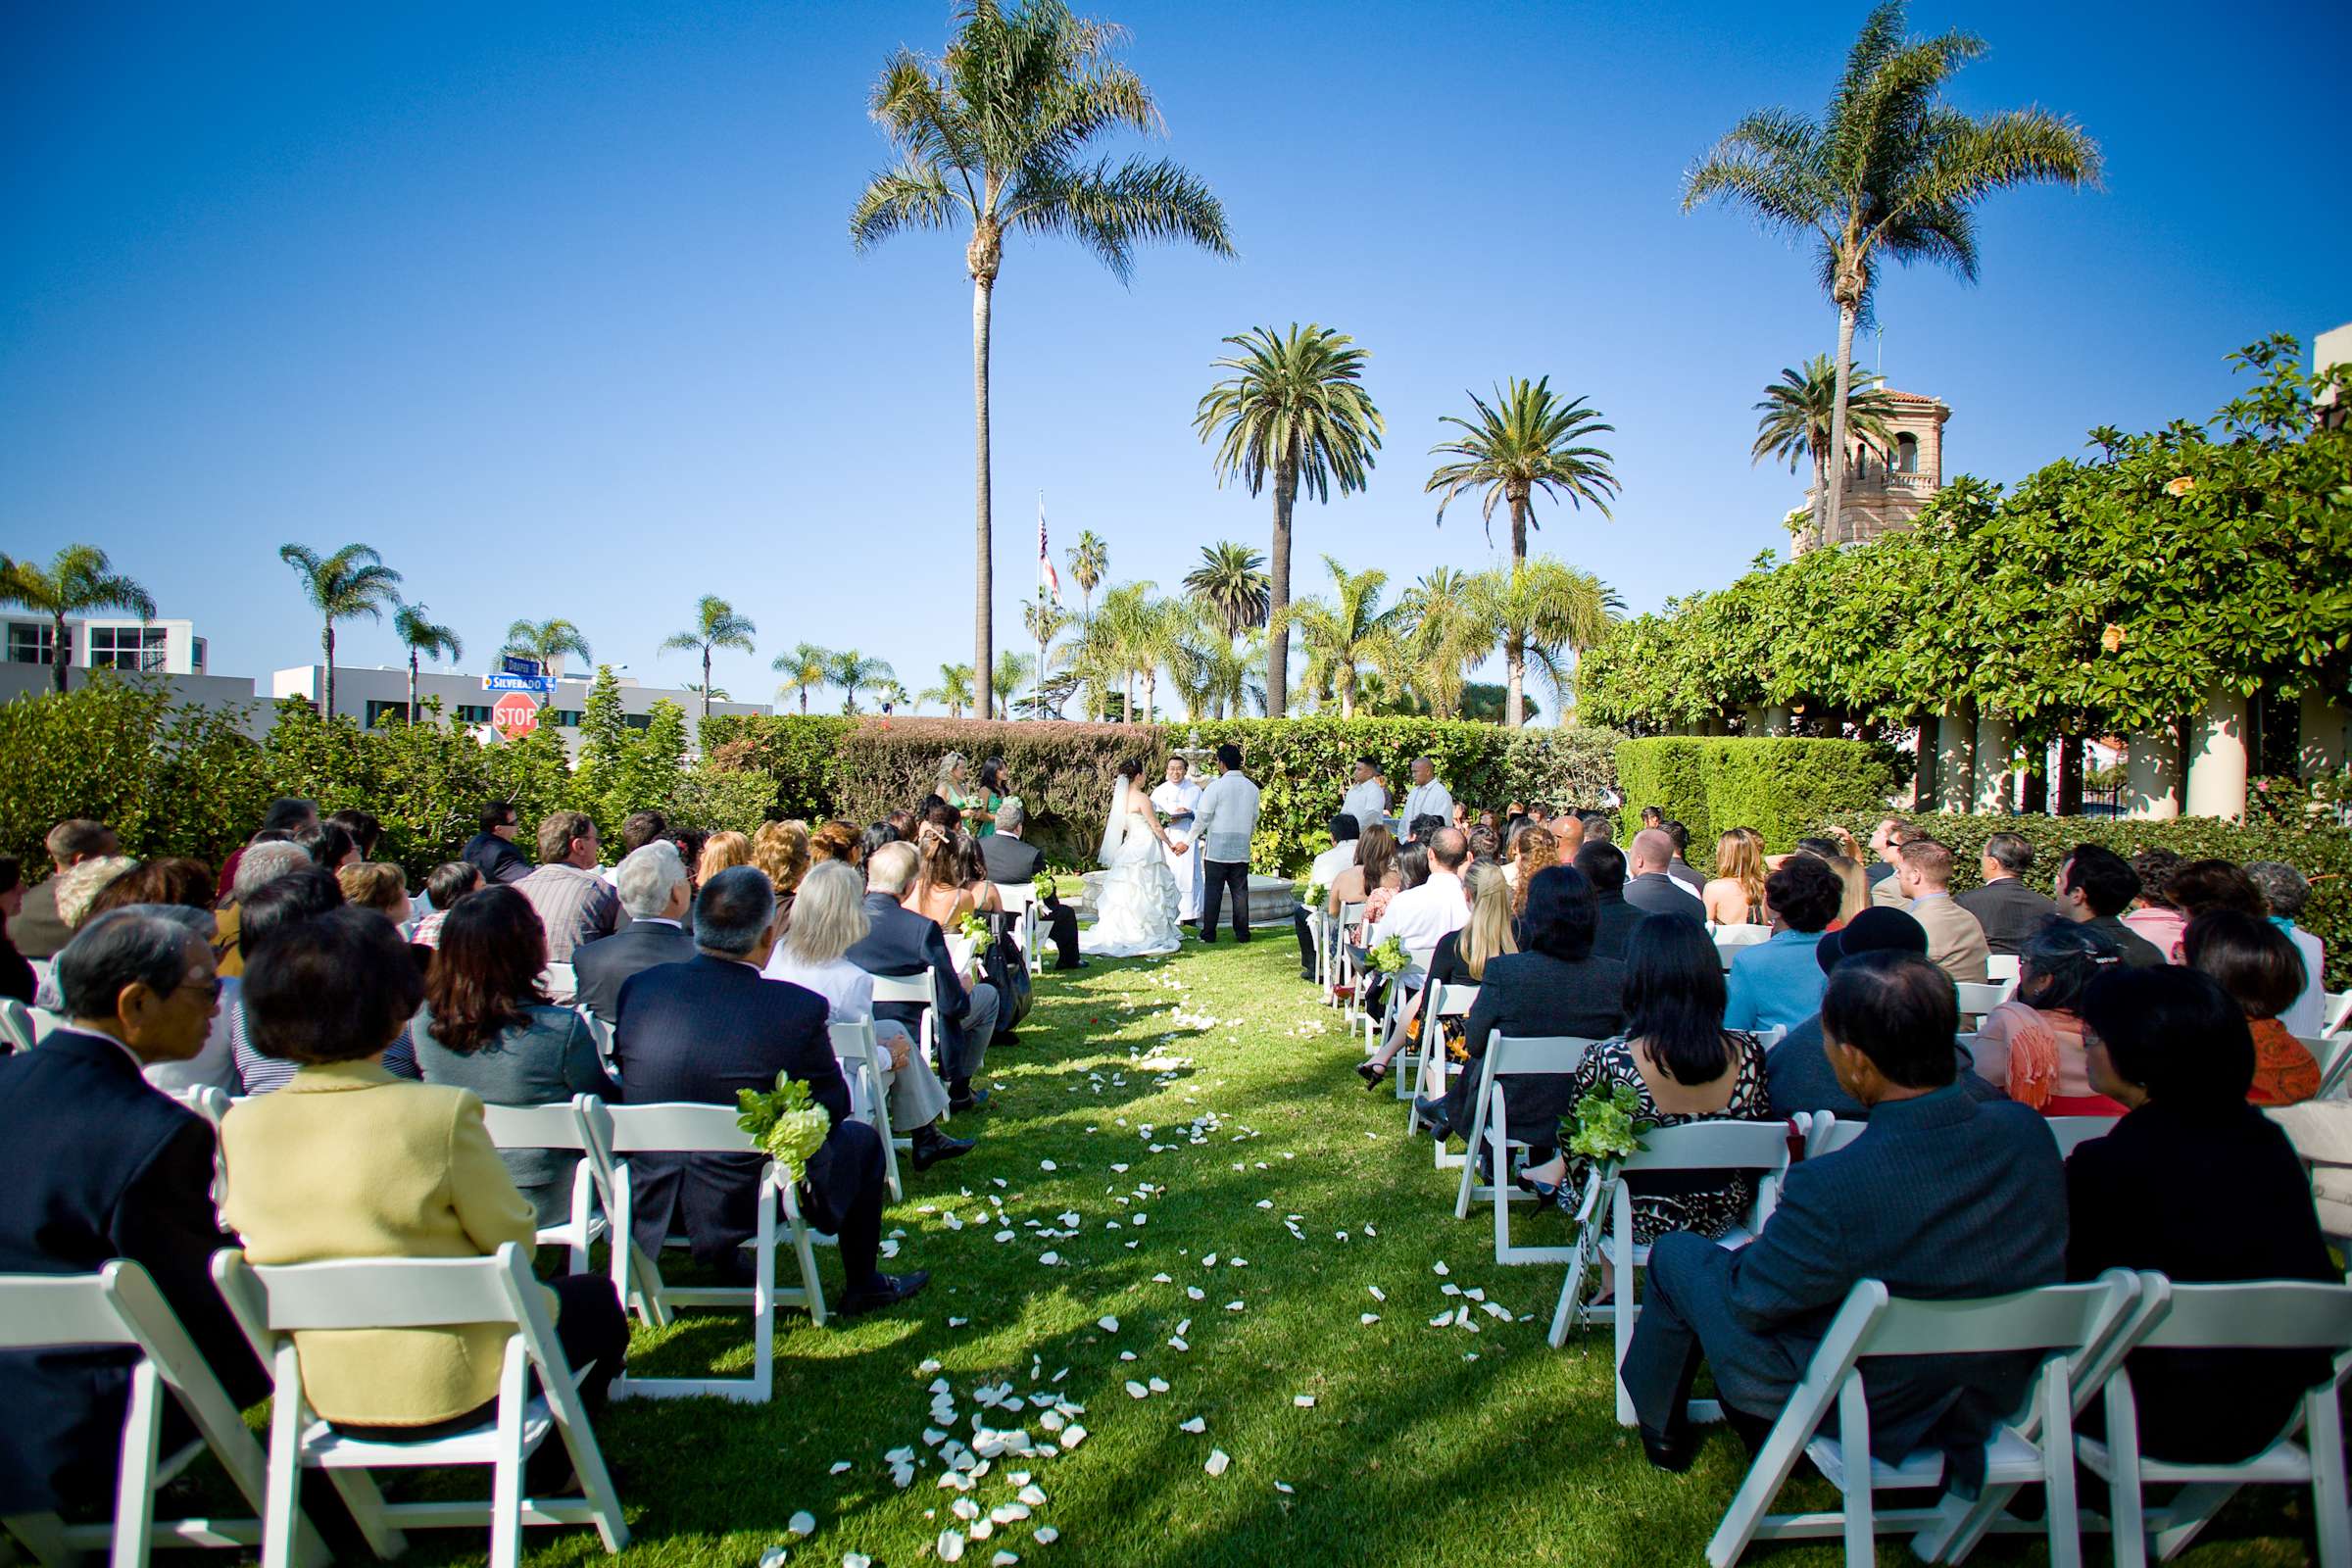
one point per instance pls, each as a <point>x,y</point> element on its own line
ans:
<point>1176,800</point>
<point>1427,797</point>
<point>1367,798</point>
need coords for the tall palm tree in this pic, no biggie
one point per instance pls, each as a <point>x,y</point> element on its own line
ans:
<point>995,132</point>
<point>1346,633</point>
<point>853,672</point>
<point>1012,672</point>
<point>1232,582</point>
<point>715,625</point>
<point>421,637</point>
<point>1090,563</point>
<point>1294,408</point>
<point>549,641</point>
<point>1551,614</point>
<point>1529,440</point>
<point>804,667</point>
<point>78,579</point>
<point>1889,170</point>
<point>1449,631</point>
<point>954,691</point>
<point>1798,411</point>
<point>352,582</point>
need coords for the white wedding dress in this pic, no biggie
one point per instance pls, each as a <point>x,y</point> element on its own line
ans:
<point>1135,912</point>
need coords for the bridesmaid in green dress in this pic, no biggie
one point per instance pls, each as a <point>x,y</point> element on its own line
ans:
<point>957,789</point>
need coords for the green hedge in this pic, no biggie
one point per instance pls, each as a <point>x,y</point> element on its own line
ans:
<point>1783,788</point>
<point>2319,852</point>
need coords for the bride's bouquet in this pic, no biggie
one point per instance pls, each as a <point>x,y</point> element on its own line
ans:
<point>788,1124</point>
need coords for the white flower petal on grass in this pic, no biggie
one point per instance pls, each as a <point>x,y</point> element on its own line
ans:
<point>1369,1319</point>
<point>1161,1278</point>
<point>1003,1559</point>
<point>1195,1426</point>
<point>1177,1342</point>
<point>1378,1294</point>
<point>1305,1402</point>
<point>773,1558</point>
<point>856,1559</point>
<point>1032,1494</point>
<point>957,1322</point>
<point>1475,1293</point>
<point>1196,1292</point>
<point>965,1508</point>
<point>1126,1355</point>
<point>1284,1487</point>
<point>1440,1269</point>
<point>803,1523</point>
<point>1136,1391</point>
<point>1235,1307</point>
<point>1450,1289</point>
<point>1047,1164</point>
<point>1209,1261</point>
<point>1158,1386</point>
<point>1266,1203</point>
<point>1107,1324</point>
<point>1050,1259</point>
<point>1003,1237</point>
<point>1441,1320</point>
<point>949,1545</point>
<point>1048,1535</point>
<point>1219,1459</point>
<point>1073,1437</point>
<point>840,1465</point>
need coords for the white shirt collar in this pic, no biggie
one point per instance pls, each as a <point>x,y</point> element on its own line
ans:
<point>657,920</point>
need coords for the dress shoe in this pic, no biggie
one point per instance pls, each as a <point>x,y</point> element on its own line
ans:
<point>1065,969</point>
<point>1669,1452</point>
<point>888,1289</point>
<point>931,1145</point>
<point>962,1103</point>
<point>1434,1120</point>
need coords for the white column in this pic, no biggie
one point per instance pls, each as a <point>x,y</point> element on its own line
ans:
<point>1955,759</point>
<point>2326,736</point>
<point>1776,719</point>
<point>1996,773</point>
<point>1751,720</point>
<point>2152,773</point>
<point>2216,757</point>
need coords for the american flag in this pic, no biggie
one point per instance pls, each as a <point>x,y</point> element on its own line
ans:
<point>1044,557</point>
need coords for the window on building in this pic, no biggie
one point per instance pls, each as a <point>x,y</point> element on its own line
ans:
<point>1907,453</point>
<point>561,717</point>
<point>33,642</point>
<point>128,647</point>
<point>637,721</point>
<point>381,712</point>
<point>196,654</point>
<point>473,713</point>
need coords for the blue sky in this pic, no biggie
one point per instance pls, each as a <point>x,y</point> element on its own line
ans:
<point>555,304</point>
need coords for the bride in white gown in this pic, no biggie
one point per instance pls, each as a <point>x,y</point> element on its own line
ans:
<point>1135,912</point>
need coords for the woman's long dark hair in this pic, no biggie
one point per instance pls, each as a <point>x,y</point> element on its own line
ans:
<point>487,970</point>
<point>1561,916</point>
<point>1376,853</point>
<point>991,775</point>
<point>1674,997</point>
<point>1413,866</point>
<point>2061,960</point>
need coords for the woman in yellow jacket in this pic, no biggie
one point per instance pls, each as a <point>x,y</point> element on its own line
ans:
<point>349,1162</point>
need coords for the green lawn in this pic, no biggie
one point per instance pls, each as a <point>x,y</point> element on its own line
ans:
<point>1423,1445</point>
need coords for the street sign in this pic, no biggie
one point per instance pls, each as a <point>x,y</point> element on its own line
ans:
<point>513,665</point>
<point>517,683</point>
<point>514,715</point>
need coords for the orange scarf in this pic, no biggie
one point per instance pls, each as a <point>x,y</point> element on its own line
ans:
<point>2033,1052</point>
<point>2284,1072</point>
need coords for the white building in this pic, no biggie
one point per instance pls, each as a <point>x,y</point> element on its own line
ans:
<point>95,642</point>
<point>378,694</point>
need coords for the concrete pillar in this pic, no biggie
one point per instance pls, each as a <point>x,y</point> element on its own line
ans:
<point>2216,757</point>
<point>1955,759</point>
<point>1996,773</point>
<point>1777,721</point>
<point>1751,720</point>
<point>1923,775</point>
<point>2326,736</point>
<point>2152,773</point>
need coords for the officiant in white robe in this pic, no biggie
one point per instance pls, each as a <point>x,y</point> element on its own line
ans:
<point>1175,801</point>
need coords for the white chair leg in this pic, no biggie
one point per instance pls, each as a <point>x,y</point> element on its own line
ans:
<point>1775,1462</point>
<point>2323,1429</point>
<point>2062,1514</point>
<point>2194,1506</point>
<point>285,1498</point>
<point>1853,1434</point>
<point>134,1488</point>
<point>505,1472</point>
<point>1621,1308</point>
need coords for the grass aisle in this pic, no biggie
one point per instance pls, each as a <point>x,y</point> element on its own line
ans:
<point>1411,1452</point>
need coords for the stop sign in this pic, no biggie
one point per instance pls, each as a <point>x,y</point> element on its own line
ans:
<point>514,715</point>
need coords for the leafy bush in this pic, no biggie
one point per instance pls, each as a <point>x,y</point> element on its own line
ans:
<point>2320,852</point>
<point>1780,787</point>
<point>801,752</point>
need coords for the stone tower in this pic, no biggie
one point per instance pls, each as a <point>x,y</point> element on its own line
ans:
<point>1885,491</point>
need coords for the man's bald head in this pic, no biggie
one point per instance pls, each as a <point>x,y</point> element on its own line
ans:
<point>1654,851</point>
<point>1449,847</point>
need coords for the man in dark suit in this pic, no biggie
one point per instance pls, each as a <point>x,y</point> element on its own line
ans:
<point>98,1165</point>
<point>2095,885</point>
<point>2005,907</point>
<point>700,1031</point>
<point>902,942</point>
<point>493,849</point>
<point>1014,862</point>
<point>37,929</point>
<point>655,893</point>
<point>1603,865</point>
<point>1652,888</point>
<point>1944,1197</point>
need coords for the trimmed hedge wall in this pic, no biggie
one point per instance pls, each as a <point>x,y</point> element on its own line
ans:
<point>2321,852</point>
<point>1783,788</point>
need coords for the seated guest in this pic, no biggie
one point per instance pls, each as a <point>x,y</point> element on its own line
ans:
<point>2095,885</point>
<point>1799,1069</point>
<point>2260,970</point>
<point>2007,908</point>
<point>98,1165</point>
<point>1736,895</point>
<point>2196,886</point>
<point>574,902</point>
<point>1956,940</point>
<point>2153,914</point>
<point>78,890</point>
<point>350,1161</point>
<point>1537,847</point>
<point>285,818</point>
<point>1943,1198</point>
<point>721,852</point>
<point>1652,887</point>
<point>1567,830</point>
<point>937,892</point>
<point>215,1064</point>
<point>444,886</point>
<point>832,919</point>
<point>1830,853</point>
<point>781,850</point>
<point>1680,869</point>
<point>1375,868</point>
<point>2200,1187</point>
<point>375,885</point>
<point>2285,890</point>
<point>489,1027</point>
<point>1460,959</point>
<point>1683,1066</point>
<point>1419,914</point>
<point>873,837</point>
<point>493,851</point>
<point>972,866</point>
<point>2030,1046</point>
<point>1014,861</point>
<point>1485,843</point>
<point>836,840</point>
<point>261,864</point>
<point>365,830</point>
<point>1887,842</point>
<point>283,904</point>
<point>704,1030</point>
<point>637,830</point>
<point>689,842</point>
<point>1779,980</point>
<point>899,942</point>
<point>36,928</point>
<point>652,887</point>
<point>172,879</point>
<point>1553,985</point>
<point>328,845</point>
<point>1603,865</point>
<point>15,970</point>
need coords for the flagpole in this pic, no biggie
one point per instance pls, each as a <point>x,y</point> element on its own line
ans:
<point>1038,695</point>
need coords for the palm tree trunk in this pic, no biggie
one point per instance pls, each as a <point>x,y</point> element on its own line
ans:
<point>803,702</point>
<point>59,661</point>
<point>1514,647</point>
<point>983,566</point>
<point>1278,636</point>
<point>1835,482</point>
<point>412,685</point>
<point>1813,521</point>
<point>706,680</point>
<point>326,640</point>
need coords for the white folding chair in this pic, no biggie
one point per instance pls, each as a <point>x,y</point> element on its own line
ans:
<point>1020,900</point>
<point>205,1100</point>
<point>1490,1128</point>
<point>563,985</point>
<point>1978,1000</point>
<point>1412,977</point>
<point>860,1057</point>
<point>2001,968</point>
<point>685,1129</point>
<point>1761,1147</point>
<point>1344,967</point>
<point>1825,1133</point>
<point>273,1303</point>
<point>2070,1324</point>
<point>2270,1315</point>
<point>1431,1070</point>
<point>119,1306</point>
<point>16,1026</point>
<point>563,1127</point>
<point>2333,1053</point>
<point>915,989</point>
<point>1730,939</point>
<point>2335,1012</point>
<point>2073,1132</point>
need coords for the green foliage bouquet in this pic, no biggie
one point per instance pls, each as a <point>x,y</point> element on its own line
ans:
<point>788,1124</point>
<point>1042,886</point>
<point>1605,1125</point>
<point>1389,957</point>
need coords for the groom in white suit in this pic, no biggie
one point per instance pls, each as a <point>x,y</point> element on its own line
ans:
<point>1176,800</point>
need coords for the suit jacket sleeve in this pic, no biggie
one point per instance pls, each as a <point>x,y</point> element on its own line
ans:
<point>492,1212</point>
<point>509,866</point>
<point>583,1069</point>
<point>1793,1270</point>
<point>166,1224</point>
